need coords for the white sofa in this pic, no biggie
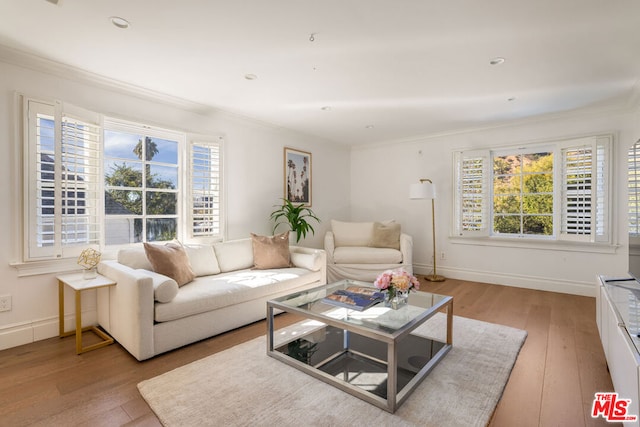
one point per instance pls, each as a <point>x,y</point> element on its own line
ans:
<point>363,250</point>
<point>141,315</point>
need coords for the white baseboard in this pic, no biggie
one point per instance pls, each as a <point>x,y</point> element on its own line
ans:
<point>17,334</point>
<point>550,284</point>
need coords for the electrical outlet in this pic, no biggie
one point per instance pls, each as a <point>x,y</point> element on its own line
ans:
<point>5,302</point>
<point>443,255</point>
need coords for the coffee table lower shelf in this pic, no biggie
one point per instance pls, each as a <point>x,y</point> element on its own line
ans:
<point>358,364</point>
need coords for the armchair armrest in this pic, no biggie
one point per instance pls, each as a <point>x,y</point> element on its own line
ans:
<point>329,246</point>
<point>406,247</point>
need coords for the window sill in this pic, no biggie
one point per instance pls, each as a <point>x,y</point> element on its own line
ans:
<point>546,245</point>
<point>34,268</point>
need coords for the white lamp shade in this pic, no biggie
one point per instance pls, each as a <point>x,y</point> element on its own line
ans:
<point>423,190</point>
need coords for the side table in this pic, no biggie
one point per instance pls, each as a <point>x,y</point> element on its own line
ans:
<point>79,284</point>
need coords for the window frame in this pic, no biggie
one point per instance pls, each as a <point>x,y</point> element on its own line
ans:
<point>123,126</point>
<point>25,167</point>
<point>521,151</point>
<point>602,197</point>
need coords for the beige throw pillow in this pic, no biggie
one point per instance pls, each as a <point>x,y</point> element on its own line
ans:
<point>271,251</point>
<point>170,260</point>
<point>386,235</point>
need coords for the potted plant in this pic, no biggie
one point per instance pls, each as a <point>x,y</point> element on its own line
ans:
<point>295,216</point>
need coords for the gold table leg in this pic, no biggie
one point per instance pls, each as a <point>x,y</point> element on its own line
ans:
<point>106,339</point>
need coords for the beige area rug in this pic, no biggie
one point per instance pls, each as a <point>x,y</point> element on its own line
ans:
<point>242,386</point>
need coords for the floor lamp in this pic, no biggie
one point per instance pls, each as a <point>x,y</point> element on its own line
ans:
<point>428,191</point>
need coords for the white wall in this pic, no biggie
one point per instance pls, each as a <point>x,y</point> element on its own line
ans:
<point>380,179</point>
<point>253,178</point>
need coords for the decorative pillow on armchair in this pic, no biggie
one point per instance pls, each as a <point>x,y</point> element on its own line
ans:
<point>170,260</point>
<point>271,251</point>
<point>386,235</point>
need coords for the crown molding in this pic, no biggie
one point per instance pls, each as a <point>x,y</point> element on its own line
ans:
<point>38,63</point>
<point>631,105</point>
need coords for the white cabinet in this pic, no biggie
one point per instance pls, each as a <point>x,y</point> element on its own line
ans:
<point>618,316</point>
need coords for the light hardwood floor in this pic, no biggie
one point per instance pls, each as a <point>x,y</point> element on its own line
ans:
<point>560,366</point>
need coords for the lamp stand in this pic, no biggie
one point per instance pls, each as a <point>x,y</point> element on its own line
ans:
<point>434,277</point>
<point>423,192</point>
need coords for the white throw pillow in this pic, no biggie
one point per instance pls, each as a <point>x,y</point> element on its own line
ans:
<point>352,233</point>
<point>135,258</point>
<point>234,255</point>
<point>202,259</point>
<point>165,288</point>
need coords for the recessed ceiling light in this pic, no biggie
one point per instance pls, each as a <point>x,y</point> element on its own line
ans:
<point>119,22</point>
<point>369,126</point>
<point>497,60</point>
<point>250,76</point>
<point>326,108</point>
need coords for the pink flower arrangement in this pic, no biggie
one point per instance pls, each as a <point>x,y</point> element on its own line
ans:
<point>396,281</point>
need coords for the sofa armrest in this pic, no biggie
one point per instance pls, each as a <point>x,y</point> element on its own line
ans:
<point>130,306</point>
<point>329,246</point>
<point>311,259</point>
<point>406,247</point>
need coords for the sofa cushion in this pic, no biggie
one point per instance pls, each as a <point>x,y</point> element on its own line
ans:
<point>352,233</point>
<point>134,257</point>
<point>213,292</point>
<point>366,255</point>
<point>386,235</point>
<point>164,288</point>
<point>202,259</point>
<point>271,251</point>
<point>170,260</point>
<point>234,254</point>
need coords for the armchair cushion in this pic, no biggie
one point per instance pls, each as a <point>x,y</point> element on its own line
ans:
<point>366,255</point>
<point>352,233</point>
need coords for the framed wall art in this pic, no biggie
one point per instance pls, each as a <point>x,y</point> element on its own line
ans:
<point>297,176</point>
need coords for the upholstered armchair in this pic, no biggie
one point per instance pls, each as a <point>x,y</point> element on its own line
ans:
<point>363,250</point>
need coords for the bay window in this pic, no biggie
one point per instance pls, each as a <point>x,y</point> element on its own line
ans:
<point>102,182</point>
<point>553,191</point>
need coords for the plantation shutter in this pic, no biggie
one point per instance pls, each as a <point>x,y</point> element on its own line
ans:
<point>40,152</point>
<point>577,179</point>
<point>633,157</point>
<point>473,193</point>
<point>62,172</point>
<point>603,213</point>
<point>80,182</point>
<point>206,189</point>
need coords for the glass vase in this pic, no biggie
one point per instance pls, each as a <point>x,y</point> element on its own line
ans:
<point>396,299</point>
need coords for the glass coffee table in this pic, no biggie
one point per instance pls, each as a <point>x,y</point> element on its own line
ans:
<point>371,354</point>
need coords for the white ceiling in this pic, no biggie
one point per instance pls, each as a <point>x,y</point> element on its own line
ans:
<point>406,67</point>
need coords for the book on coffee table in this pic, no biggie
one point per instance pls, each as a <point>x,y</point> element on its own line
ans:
<point>355,297</point>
